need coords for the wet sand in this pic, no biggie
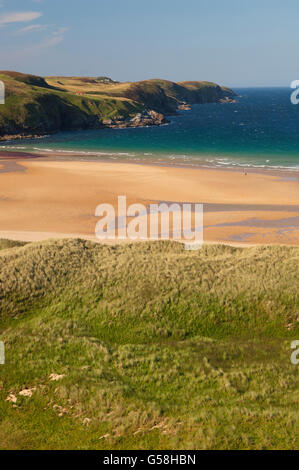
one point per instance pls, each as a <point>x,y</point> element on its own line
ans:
<point>51,197</point>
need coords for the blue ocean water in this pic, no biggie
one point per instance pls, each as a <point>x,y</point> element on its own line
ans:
<point>260,129</point>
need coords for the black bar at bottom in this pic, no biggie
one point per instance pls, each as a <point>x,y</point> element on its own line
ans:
<point>135,458</point>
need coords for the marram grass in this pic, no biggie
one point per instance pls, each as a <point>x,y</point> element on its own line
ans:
<point>151,346</point>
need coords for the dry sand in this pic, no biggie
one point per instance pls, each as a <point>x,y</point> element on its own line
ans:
<point>41,198</point>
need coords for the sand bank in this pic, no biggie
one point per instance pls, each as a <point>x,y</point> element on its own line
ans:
<point>41,197</point>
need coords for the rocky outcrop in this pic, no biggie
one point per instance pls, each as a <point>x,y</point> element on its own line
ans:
<point>227,99</point>
<point>144,119</point>
<point>184,107</point>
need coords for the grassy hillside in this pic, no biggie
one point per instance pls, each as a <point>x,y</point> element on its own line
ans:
<point>160,95</point>
<point>38,109</point>
<point>151,346</point>
<point>36,105</point>
<point>4,244</point>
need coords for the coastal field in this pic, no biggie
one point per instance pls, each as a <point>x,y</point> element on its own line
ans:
<point>43,197</point>
<point>147,346</point>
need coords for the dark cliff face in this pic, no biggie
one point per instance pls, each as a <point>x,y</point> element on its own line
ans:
<point>47,114</point>
<point>165,97</point>
<point>52,113</point>
<point>206,92</point>
<point>152,96</point>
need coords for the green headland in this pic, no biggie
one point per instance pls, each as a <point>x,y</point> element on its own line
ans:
<point>36,106</point>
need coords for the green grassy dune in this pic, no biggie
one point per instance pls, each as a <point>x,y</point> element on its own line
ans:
<point>36,105</point>
<point>152,346</point>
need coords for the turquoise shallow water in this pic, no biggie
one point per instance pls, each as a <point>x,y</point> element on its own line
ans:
<point>261,130</point>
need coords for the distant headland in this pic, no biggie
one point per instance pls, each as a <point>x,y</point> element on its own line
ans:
<point>35,106</point>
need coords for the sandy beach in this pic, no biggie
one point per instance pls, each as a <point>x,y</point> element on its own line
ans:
<point>42,198</point>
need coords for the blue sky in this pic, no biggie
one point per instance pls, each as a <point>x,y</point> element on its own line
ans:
<point>232,42</point>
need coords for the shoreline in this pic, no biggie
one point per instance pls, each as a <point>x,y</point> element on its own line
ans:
<point>284,172</point>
